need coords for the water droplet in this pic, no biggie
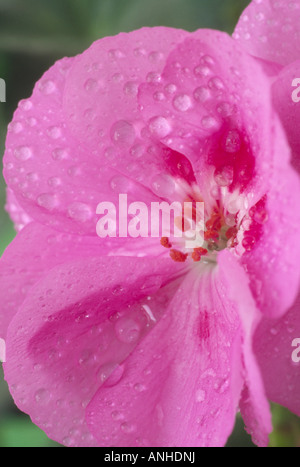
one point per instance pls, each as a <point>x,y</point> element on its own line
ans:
<point>42,396</point>
<point>260,16</point>
<point>80,212</point>
<point>159,126</point>
<point>115,54</point>
<point>139,387</point>
<point>91,85</point>
<point>60,154</point>
<point>200,395</point>
<point>209,122</point>
<point>232,141</point>
<point>15,127</point>
<point>216,83</point>
<point>117,77</point>
<point>159,96</point>
<point>163,185</point>
<point>123,132</point>
<point>170,88</point>
<point>182,102</point>
<point>153,77</point>
<point>127,330</point>
<point>225,109</point>
<point>127,427</point>
<point>137,150</point>
<point>224,176</point>
<point>208,60</point>
<point>23,153</point>
<point>110,374</point>
<point>47,87</point>
<point>130,88</point>
<point>54,132</point>
<point>116,415</point>
<point>54,181</point>
<point>248,242</point>
<point>202,70</point>
<point>25,105</point>
<point>48,201</point>
<point>201,94</point>
<point>155,56</point>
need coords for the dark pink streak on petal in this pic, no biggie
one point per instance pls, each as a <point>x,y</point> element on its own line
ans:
<point>74,330</point>
<point>181,385</point>
<point>253,404</point>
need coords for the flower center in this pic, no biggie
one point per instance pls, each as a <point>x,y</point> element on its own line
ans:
<point>225,220</point>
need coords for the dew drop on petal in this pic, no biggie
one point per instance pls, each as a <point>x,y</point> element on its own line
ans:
<point>182,102</point>
<point>209,122</point>
<point>202,94</point>
<point>23,153</point>
<point>42,396</point>
<point>163,185</point>
<point>130,88</point>
<point>224,176</point>
<point>200,395</point>
<point>80,212</point>
<point>128,427</point>
<point>110,374</point>
<point>48,201</point>
<point>232,141</point>
<point>91,85</point>
<point>123,132</point>
<point>47,87</point>
<point>160,126</point>
<point>127,330</point>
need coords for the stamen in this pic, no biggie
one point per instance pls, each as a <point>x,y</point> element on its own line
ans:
<point>178,256</point>
<point>211,235</point>
<point>198,253</point>
<point>164,241</point>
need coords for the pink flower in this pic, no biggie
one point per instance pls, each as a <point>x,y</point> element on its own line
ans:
<point>124,342</point>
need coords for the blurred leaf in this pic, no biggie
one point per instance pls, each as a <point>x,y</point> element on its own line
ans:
<point>239,436</point>
<point>69,26</point>
<point>286,431</point>
<point>21,432</point>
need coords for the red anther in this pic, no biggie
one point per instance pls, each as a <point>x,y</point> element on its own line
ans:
<point>201,251</point>
<point>215,222</point>
<point>211,235</point>
<point>164,241</point>
<point>196,256</point>
<point>178,256</point>
<point>231,232</point>
<point>198,253</point>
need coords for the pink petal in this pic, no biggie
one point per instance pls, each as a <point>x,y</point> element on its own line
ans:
<point>212,109</point>
<point>37,249</point>
<point>269,29</point>
<point>30,256</point>
<point>275,345</point>
<point>273,264</point>
<point>76,327</point>
<point>253,404</point>
<point>104,82</point>
<point>17,214</point>
<point>285,98</point>
<point>181,385</point>
<point>56,179</point>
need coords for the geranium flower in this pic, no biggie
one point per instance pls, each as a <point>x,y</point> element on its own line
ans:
<point>143,341</point>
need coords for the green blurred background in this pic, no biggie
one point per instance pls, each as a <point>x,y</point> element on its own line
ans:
<point>35,33</point>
